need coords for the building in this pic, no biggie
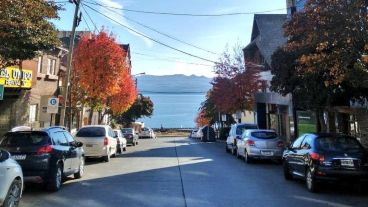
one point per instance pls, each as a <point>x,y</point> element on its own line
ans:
<point>273,111</point>
<point>27,90</point>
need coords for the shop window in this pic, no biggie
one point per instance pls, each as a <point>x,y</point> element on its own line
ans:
<point>39,65</point>
<point>33,113</point>
<point>51,65</point>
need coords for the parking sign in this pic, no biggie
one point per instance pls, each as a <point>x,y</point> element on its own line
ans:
<point>53,106</point>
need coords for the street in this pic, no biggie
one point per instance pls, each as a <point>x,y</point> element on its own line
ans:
<point>184,172</point>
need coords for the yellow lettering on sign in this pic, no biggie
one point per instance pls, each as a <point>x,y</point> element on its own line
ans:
<point>12,77</point>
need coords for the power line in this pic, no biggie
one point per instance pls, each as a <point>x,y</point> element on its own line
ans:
<point>150,38</point>
<point>89,17</point>
<point>187,14</point>
<point>159,32</point>
<point>84,19</point>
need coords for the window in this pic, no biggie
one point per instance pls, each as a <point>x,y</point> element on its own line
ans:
<point>297,143</point>
<point>111,133</point>
<point>51,65</point>
<point>307,142</point>
<point>91,132</point>
<point>60,139</point>
<point>39,65</point>
<point>69,137</point>
<point>32,112</point>
<point>24,139</point>
<point>264,135</point>
<point>338,144</point>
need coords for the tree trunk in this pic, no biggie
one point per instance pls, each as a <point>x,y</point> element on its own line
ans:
<point>343,121</point>
<point>331,122</point>
<point>90,115</point>
<point>321,124</point>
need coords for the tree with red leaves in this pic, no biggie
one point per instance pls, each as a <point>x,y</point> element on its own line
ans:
<point>101,78</point>
<point>201,119</point>
<point>237,82</point>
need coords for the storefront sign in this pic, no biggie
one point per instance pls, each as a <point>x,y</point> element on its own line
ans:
<point>1,92</point>
<point>12,77</point>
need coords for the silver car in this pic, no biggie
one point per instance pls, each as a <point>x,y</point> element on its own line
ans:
<point>260,144</point>
<point>11,180</point>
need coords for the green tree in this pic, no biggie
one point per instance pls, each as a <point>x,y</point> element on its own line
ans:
<point>142,107</point>
<point>25,29</point>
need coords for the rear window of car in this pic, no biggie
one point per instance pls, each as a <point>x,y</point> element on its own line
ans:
<point>24,139</point>
<point>241,128</point>
<point>263,135</point>
<point>126,131</point>
<point>91,132</point>
<point>338,144</point>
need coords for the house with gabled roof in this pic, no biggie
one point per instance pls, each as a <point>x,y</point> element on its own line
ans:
<point>273,111</point>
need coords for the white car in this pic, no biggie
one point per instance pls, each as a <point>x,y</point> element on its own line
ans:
<point>121,141</point>
<point>11,180</point>
<point>98,141</point>
<point>147,132</point>
<point>194,134</point>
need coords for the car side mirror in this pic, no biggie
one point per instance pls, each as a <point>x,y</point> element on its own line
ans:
<point>4,155</point>
<point>78,144</point>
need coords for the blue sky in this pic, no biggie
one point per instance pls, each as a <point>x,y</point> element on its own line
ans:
<point>210,33</point>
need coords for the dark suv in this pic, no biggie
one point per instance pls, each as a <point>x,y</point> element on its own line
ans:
<point>46,156</point>
<point>325,157</point>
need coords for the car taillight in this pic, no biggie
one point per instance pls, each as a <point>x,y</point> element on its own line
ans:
<point>280,144</point>
<point>106,141</point>
<point>44,150</point>
<point>316,156</point>
<point>250,143</point>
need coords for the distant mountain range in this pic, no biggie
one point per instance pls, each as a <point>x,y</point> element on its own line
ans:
<point>173,84</point>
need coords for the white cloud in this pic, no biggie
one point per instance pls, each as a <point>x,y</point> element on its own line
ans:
<point>117,15</point>
<point>190,69</point>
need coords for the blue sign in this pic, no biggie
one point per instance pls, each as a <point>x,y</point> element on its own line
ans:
<point>1,92</point>
<point>53,101</point>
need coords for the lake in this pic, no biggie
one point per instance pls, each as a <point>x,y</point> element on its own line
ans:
<point>174,110</point>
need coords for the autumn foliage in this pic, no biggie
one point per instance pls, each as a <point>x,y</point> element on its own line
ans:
<point>201,119</point>
<point>101,74</point>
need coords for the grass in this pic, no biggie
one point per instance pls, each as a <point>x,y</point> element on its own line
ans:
<point>306,128</point>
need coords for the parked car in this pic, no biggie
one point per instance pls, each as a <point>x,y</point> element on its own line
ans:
<point>11,179</point>
<point>260,144</point>
<point>130,135</point>
<point>235,134</point>
<point>46,156</point>
<point>325,157</point>
<point>121,141</point>
<point>147,133</point>
<point>194,134</point>
<point>98,141</point>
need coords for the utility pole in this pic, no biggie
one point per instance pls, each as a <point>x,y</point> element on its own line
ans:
<point>66,85</point>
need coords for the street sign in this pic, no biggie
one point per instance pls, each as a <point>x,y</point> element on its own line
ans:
<point>1,92</point>
<point>53,106</point>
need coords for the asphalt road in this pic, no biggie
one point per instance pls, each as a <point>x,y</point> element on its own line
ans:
<point>186,173</point>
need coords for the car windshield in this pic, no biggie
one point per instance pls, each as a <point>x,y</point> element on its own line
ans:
<point>241,128</point>
<point>91,132</point>
<point>338,144</point>
<point>264,135</point>
<point>24,139</point>
<point>116,133</point>
<point>127,131</point>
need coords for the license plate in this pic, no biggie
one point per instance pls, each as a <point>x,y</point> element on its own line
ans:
<point>89,145</point>
<point>347,163</point>
<point>267,153</point>
<point>19,157</point>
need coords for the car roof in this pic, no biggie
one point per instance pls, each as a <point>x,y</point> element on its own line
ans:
<point>327,134</point>
<point>260,130</point>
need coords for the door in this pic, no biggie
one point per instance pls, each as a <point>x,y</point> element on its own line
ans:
<point>75,152</point>
<point>63,149</point>
<point>303,153</point>
<point>293,157</point>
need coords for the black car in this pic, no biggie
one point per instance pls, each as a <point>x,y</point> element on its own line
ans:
<point>46,156</point>
<point>325,157</point>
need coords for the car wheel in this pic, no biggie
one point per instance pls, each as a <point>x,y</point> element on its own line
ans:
<point>80,172</point>
<point>124,149</point>
<point>13,196</point>
<point>107,158</point>
<point>133,143</point>
<point>310,181</point>
<point>56,178</point>
<point>233,149</point>
<point>247,158</point>
<point>136,143</point>
<point>287,174</point>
